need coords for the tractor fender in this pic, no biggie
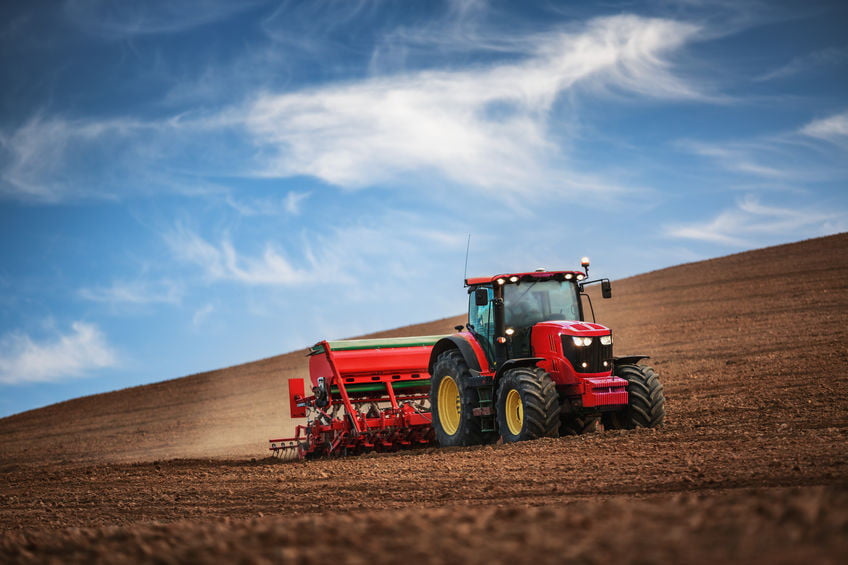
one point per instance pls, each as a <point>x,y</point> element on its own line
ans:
<point>472,355</point>
<point>629,359</point>
<point>513,363</point>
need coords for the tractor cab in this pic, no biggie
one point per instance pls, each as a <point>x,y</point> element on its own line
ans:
<point>503,309</point>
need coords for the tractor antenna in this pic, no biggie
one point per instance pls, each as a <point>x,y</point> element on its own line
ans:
<point>467,247</point>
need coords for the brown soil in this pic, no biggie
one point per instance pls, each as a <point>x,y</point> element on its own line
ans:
<point>752,465</point>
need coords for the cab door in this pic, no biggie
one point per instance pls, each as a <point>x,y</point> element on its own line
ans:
<point>481,320</point>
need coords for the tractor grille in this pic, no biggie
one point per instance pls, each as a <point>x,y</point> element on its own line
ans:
<point>592,355</point>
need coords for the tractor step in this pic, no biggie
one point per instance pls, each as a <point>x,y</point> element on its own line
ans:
<point>486,409</point>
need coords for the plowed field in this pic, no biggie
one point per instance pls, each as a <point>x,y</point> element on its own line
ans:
<point>752,465</point>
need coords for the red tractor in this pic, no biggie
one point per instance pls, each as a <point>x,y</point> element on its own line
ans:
<point>526,365</point>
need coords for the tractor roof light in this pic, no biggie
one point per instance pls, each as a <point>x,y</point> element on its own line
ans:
<point>568,276</point>
<point>584,262</point>
<point>513,279</point>
<point>581,277</point>
<point>501,281</point>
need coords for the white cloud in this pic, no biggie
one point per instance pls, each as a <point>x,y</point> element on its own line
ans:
<point>201,315</point>
<point>223,262</point>
<point>740,157</point>
<point>134,292</point>
<point>84,349</point>
<point>751,223</point>
<point>36,161</point>
<point>394,240</point>
<point>833,128</point>
<point>486,127</point>
<point>291,204</point>
<point>461,29</point>
<point>831,56</point>
<point>294,201</point>
<point>784,158</point>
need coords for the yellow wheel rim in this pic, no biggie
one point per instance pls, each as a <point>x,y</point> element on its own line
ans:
<point>514,412</point>
<point>450,407</point>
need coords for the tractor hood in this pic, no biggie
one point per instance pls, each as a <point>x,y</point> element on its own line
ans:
<point>586,329</point>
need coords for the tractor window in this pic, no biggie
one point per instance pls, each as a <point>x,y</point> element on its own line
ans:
<point>480,317</point>
<point>530,302</point>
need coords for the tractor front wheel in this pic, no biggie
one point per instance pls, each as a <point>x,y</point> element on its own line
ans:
<point>527,405</point>
<point>452,402</point>
<point>646,402</point>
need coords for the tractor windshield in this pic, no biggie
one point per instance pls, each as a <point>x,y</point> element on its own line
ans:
<point>530,302</point>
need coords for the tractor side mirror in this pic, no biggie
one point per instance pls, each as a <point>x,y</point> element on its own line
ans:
<point>606,289</point>
<point>481,297</point>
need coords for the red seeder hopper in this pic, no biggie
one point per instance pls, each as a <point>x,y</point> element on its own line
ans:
<point>367,395</point>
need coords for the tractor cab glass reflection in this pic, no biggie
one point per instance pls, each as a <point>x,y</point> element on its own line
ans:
<point>529,303</point>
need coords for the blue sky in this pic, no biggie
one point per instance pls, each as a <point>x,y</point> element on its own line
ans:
<point>190,185</point>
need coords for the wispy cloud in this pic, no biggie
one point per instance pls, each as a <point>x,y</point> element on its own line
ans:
<point>816,60</point>
<point>784,157</point>
<point>201,315</point>
<point>485,128</point>
<point>36,158</point>
<point>82,350</point>
<point>290,204</point>
<point>222,262</point>
<point>55,159</point>
<point>334,256</point>
<point>462,28</point>
<point>134,292</point>
<point>833,128</point>
<point>751,223</point>
<point>739,157</point>
<point>307,25</point>
<point>294,201</point>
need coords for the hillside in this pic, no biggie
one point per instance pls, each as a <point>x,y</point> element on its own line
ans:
<point>751,465</point>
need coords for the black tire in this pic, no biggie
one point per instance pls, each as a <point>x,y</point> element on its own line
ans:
<point>539,404</point>
<point>646,402</point>
<point>465,430</point>
<point>571,425</point>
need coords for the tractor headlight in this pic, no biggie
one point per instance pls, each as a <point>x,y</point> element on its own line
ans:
<point>509,331</point>
<point>581,341</point>
<point>606,340</point>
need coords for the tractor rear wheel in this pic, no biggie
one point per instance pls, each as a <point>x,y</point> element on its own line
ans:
<point>527,405</point>
<point>452,402</point>
<point>646,402</point>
